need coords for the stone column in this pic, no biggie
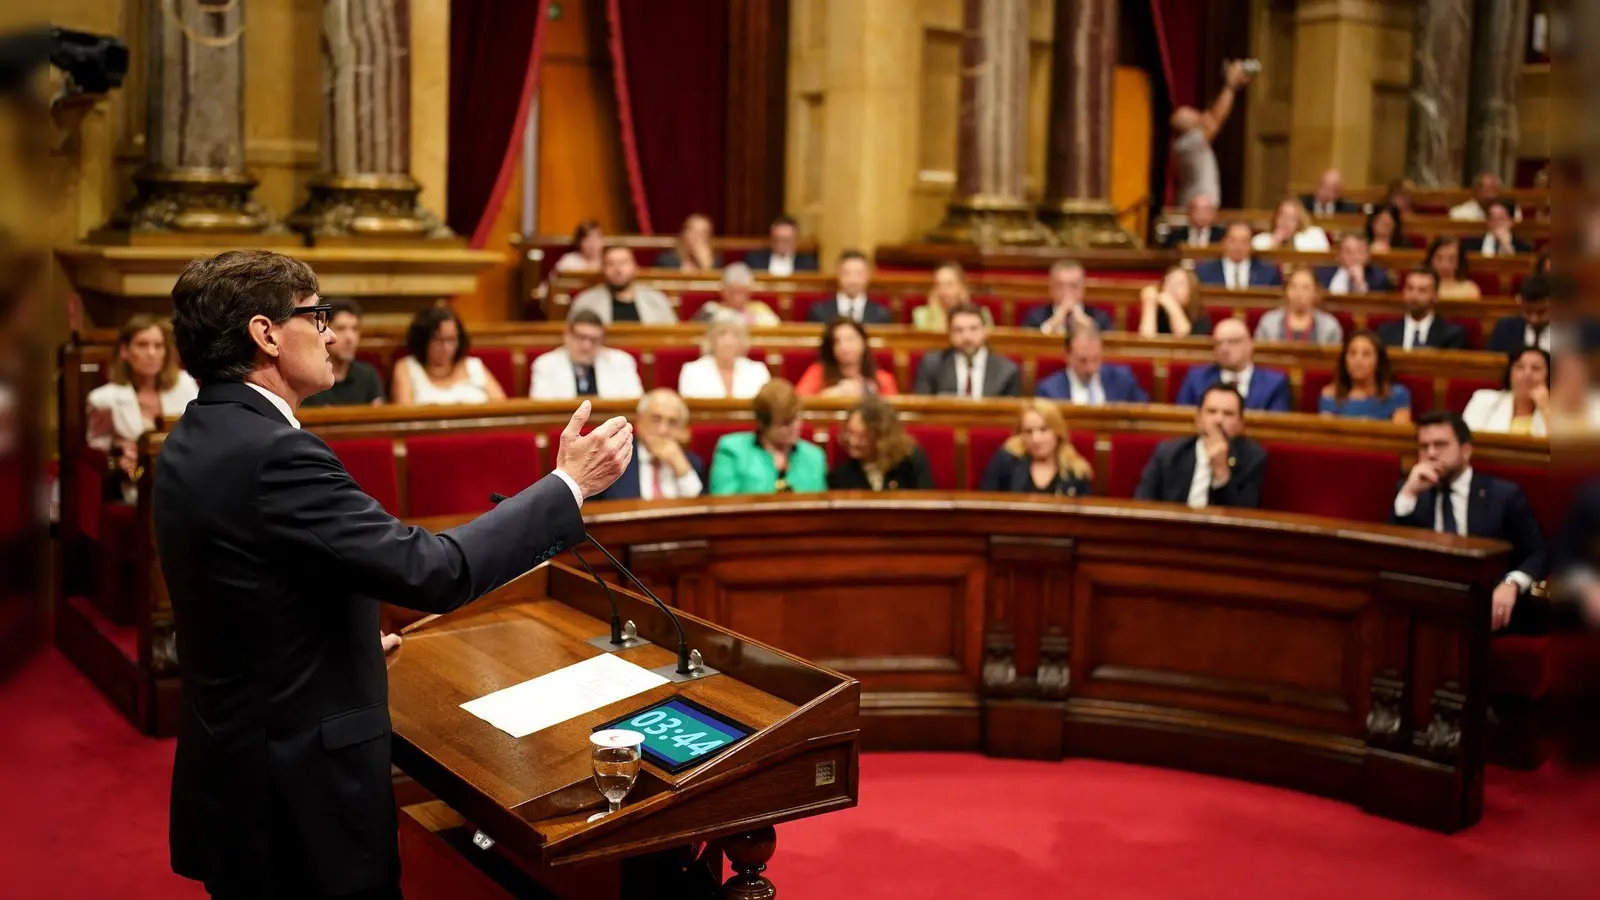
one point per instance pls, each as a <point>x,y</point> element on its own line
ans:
<point>193,180</point>
<point>1498,48</point>
<point>365,191</point>
<point>1441,61</point>
<point>1078,167</point>
<point>992,155</point>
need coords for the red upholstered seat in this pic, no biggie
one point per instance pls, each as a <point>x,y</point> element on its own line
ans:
<point>938,442</point>
<point>802,306</point>
<point>995,306</point>
<point>1129,454</point>
<point>370,461</point>
<point>498,361</point>
<point>670,361</point>
<point>1487,282</point>
<point>1329,481</point>
<point>689,303</point>
<point>1218,313</point>
<point>375,359</point>
<point>884,360</point>
<point>1047,365</point>
<point>1547,492</point>
<point>1520,665</point>
<point>1176,373</point>
<point>1119,315</point>
<point>90,474</point>
<point>1026,306</point>
<point>1347,321</point>
<point>982,443</point>
<point>1311,385</point>
<point>455,473</point>
<point>1252,318</point>
<point>795,361</point>
<point>1460,390</point>
<point>1144,372</point>
<point>1421,388</point>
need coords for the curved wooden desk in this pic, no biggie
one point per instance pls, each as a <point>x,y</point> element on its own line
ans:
<point>1333,657</point>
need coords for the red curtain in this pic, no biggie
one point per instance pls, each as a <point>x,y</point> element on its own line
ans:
<point>494,66</point>
<point>671,65</point>
<point>1178,27</point>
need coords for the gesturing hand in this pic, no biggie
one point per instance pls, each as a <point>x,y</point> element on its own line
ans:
<point>596,459</point>
<point>1423,476</point>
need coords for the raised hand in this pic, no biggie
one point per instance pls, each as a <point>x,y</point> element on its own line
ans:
<point>1424,475</point>
<point>594,460</point>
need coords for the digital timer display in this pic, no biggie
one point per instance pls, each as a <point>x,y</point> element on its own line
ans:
<point>680,733</point>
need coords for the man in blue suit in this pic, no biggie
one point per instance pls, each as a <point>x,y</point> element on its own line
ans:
<point>1263,389</point>
<point>1237,269</point>
<point>662,467</point>
<point>780,257</point>
<point>1087,380</point>
<point>1443,494</point>
<point>1355,273</point>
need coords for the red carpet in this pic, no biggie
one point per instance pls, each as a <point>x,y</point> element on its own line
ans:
<point>86,818</point>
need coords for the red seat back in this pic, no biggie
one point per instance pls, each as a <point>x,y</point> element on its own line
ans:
<point>370,461</point>
<point>703,438</point>
<point>1459,390</point>
<point>1347,321</point>
<point>1129,454</point>
<point>1026,307</point>
<point>1329,481</point>
<point>1488,283</point>
<point>450,474</point>
<point>1252,318</point>
<point>1311,384</point>
<point>498,360</point>
<point>982,444</point>
<point>938,442</point>
<point>795,361</point>
<point>1144,372</point>
<point>689,303</point>
<point>1547,492</point>
<point>1421,388</point>
<point>1046,365</point>
<point>1176,373</point>
<point>670,362</point>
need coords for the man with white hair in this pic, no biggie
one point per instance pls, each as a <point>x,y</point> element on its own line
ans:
<point>737,279</point>
<point>662,466</point>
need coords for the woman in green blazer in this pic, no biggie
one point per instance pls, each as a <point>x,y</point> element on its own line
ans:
<point>772,459</point>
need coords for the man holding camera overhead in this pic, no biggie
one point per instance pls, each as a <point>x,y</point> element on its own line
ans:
<point>1193,131</point>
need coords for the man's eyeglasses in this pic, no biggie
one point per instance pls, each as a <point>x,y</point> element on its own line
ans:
<point>318,312</point>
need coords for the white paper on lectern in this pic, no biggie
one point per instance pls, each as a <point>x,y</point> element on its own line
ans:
<point>555,697</point>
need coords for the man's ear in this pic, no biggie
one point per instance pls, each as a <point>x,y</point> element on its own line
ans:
<point>265,338</point>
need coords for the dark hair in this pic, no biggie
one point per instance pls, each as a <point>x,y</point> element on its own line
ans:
<point>1394,212</point>
<point>1503,203</point>
<point>215,298</point>
<point>425,324</point>
<point>1425,272</point>
<point>585,317</point>
<point>1384,374</point>
<point>1237,223</point>
<point>1516,356</point>
<point>830,363</point>
<point>784,219</point>
<point>610,247</point>
<point>889,437</point>
<point>1217,387</point>
<point>1446,417</point>
<point>582,231</point>
<point>336,307</point>
<point>964,309</point>
<point>1535,289</point>
<point>1444,240</point>
<point>848,255</point>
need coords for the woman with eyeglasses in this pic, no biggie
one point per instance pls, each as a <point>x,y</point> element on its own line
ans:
<point>143,387</point>
<point>772,459</point>
<point>438,371</point>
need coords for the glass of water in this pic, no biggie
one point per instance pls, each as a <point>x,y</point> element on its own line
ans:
<point>616,764</point>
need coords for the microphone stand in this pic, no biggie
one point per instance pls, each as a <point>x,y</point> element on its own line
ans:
<point>689,666</point>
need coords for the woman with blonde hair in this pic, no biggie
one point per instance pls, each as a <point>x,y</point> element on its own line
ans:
<point>145,385</point>
<point>725,370</point>
<point>949,291</point>
<point>1174,307</point>
<point>1291,230</point>
<point>1039,458</point>
<point>880,456</point>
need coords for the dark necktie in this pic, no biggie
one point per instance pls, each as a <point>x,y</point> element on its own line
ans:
<point>1447,509</point>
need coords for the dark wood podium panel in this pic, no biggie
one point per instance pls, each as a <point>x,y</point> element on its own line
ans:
<point>1341,658</point>
<point>533,795</point>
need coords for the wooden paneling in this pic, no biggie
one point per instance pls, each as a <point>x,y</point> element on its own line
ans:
<point>758,41</point>
<point>580,163</point>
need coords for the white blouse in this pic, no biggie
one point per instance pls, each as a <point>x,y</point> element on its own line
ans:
<point>127,419</point>
<point>1309,240</point>
<point>425,393</point>
<point>703,379</point>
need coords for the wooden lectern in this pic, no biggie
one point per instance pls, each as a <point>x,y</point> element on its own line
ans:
<point>509,817</point>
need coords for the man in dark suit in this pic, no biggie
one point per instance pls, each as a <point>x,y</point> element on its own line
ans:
<point>1087,379</point>
<point>780,257</point>
<point>275,560</point>
<point>1237,269</point>
<point>1068,282</point>
<point>1234,351</point>
<point>1217,467</point>
<point>1327,200</point>
<point>966,368</point>
<point>851,301</point>
<point>1500,240</point>
<point>1421,328</point>
<point>1442,493</point>
<point>1355,273</point>
<point>1202,230</point>
<point>662,466</point>
<point>1532,328</point>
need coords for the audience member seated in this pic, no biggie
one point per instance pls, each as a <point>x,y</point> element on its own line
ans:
<point>1087,380</point>
<point>1237,270</point>
<point>851,300</point>
<point>966,368</point>
<point>588,246</point>
<point>1422,328</point>
<point>662,466</point>
<point>1068,282</point>
<point>438,371</point>
<point>879,455</point>
<point>737,280</point>
<point>1328,198</point>
<point>1384,232</point>
<point>1263,389</point>
<point>1039,458</point>
<point>845,367</point>
<point>1202,230</point>
<point>781,258</point>
<point>1364,386</point>
<point>1485,190</point>
<point>949,291</point>
<point>1298,321</point>
<point>1219,466</point>
<point>1446,259</point>
<point>1522,405</point>
<point>725,371</point>
<point>1499,240</point>
<point>1398,195</point>
<point>1442,493</point>
<point>1355,273</point>
<point>355,383</point>
<point>583,366</point>
<point>1291,230</point>
<point>618,299</point>
<point>144,385</point>
<point>693,252</point>
<point>1173,307</point>
<point>772,459</point>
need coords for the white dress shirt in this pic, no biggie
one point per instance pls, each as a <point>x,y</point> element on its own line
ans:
<point>977,366</point>
<point>702,378</point>
<point>851,307</point>
<point>1199,237</point>
<point>1240,380</point>
<point>1417,331</point>
<point>1541,339</point>
<point>1460,490</point>
<point>1200,485</point>
<point>279,402</point>
<point>1236,275</point>
<point>656,479</point>
<point>1491,247</point>
<point>1089,393</point>
<point>781,266</point>
<point>1340,283</point>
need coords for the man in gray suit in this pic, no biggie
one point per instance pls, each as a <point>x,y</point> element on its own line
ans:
<point>967,368</point>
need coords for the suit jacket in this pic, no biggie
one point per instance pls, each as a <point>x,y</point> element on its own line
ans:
<point>741,465</point>
<point>1269,389</point>
<point>1509,334</point>
<point>1443,334</point>
<point>274,560</point>
<point>912,474</point>
<point>1170,472</point>
<point>1475,245</point>
<point>654,307</point>
<point>1497,509</point>
<point>1261,274</point>
<point>1037,316</point>
<point>1117,382</point>
<point>1377,277</point>
<point>616,375</point>
<point>760,260</point>
<point>936,375</point>
<point>872,313</point>
<point>626,487</point>
<point>1309,201</point>
<point>1178,237</point>
<point>1012,473</point>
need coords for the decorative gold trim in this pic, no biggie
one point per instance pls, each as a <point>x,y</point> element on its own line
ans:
<point>195,200</point>
<point>367,207</point>
<point>1082,224</point>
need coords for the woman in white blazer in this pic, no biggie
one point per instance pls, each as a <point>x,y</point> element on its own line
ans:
<point>145,384</point>
<point>1522,406</point>
<point>725,371</point>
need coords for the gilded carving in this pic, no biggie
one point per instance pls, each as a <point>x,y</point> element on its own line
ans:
<point>375,206</point>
